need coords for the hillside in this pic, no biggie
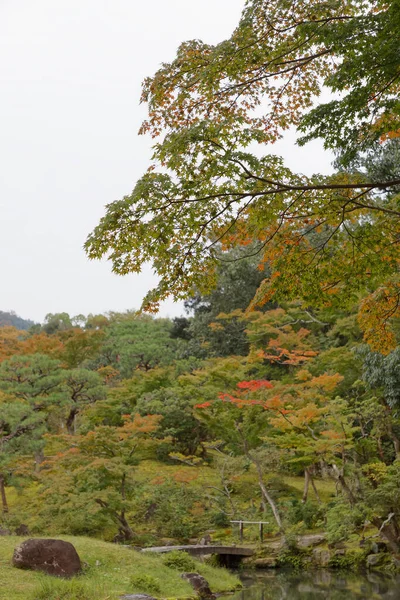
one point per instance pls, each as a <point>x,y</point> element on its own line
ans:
<point>108,573</point>
<point>11,319</point>
<point>140,430</point>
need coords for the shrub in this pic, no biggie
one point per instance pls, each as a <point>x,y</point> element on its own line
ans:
<point>180,561</point>
<point>173,516</point>
<point>343,520</point>
<point>351,560</point>
<point>145,583</point>
<point>309,513</point>
<point>294,560</point>
<point>220,519</point>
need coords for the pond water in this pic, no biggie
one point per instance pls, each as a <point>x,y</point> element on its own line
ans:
<point>318,585</point>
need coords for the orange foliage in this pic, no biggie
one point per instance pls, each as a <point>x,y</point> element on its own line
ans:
<point>375,316</point>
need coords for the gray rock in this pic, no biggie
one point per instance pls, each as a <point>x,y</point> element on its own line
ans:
<point>321,557</point>
<point>54,557</point>
<point>268,562</point>
<point>274,546</point>
<point>374,560</point>
<point>4,531</point>
<point>199,584</point>
<point>338,545</point>
<point>206,540</point>
<point>396,562</point>
<point>305,541</point>
<point>137,597</point>
<point>305,588</point>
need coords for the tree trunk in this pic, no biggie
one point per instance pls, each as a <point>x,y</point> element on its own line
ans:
<point>3,494</point>
<point>389,531</point>
<point>314,487</point>
<point>264,492</point>
<point>380,450</point>
<point>390,432</point>
<point>39,458</point>
<point>395,440</point>
<point>343,484</point>
<point>71,420</point>
<point>124,527</point>
<point>307,480</point>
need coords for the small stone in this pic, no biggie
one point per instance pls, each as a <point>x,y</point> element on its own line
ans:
<point>4,531</point>
<point>54,557</point>
<point>137,597</point>
<point>206,540</point>
<point>199,584</point>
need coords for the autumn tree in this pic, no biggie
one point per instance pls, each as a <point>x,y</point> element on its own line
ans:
<point>96,474</point>
<point>79,346</point>
<point>327,239</point>
<point>11,341</point>
<point>18,342</point>
<point>242,426</point>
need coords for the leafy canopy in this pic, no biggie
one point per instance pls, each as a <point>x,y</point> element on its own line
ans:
<point>328,239</point>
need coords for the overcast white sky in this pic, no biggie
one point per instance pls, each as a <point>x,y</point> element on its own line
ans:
<point>70,75</point>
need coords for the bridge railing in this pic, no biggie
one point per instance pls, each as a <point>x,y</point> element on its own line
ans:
<point>260,526</point>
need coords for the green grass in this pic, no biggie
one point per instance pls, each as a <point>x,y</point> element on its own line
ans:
<point>109,573</point>
<point>326,487</point>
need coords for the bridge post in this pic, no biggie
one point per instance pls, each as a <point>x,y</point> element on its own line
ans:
<point>261,532</point>
<point>241,530</point>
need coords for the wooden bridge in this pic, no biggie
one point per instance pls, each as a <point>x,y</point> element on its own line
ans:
<point>229,555</point>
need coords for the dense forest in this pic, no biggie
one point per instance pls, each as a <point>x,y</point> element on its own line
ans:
<point>134,428</point>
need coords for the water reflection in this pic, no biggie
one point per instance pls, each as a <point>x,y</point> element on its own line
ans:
<point>321,585</point>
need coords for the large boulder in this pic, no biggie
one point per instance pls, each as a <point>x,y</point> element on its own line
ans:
<point>307,541</point>
<point>266,562</point>
<point>54,557</point>
<point>199,584</point>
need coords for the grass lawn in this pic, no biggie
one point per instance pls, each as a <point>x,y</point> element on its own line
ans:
<point>107,575</point>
